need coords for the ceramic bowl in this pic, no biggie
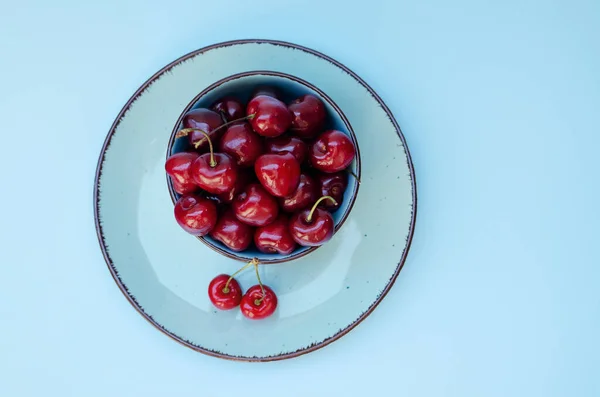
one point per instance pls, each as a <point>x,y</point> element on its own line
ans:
<point>164,272</point>
<point>241,86</point>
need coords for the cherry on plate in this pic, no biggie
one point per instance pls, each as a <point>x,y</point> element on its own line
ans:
<point>224,292</point>
<point>257,306</point>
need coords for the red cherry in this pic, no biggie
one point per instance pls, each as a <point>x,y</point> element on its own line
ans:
<point>271,117</point>
<point>215,177</point>
<point>312,228</point>
<point>254,206</point>
<point>305,195</point>
<point>275,237</point>
<point>206,120</point>
<point>333,185</point>
<point>255,305</point>
<point>244,177</point>
<point>195,214</point>
<point>232,232</point>
<point>178,168</point>
<point>224,295</point>
<point>308,116</point>
<point>332,151</point>
<point>188,189</point>
<point>278,173</point>
<point>288,144</point>
<point>241,143</point>
<point>231,108</point>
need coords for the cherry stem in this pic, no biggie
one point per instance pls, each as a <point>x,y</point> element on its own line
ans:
<point>314,208</point>
<point>259,301</point>
<point>246,266</point>
<point>354,175</point>
<point>248,117</point>
<point>186,131</point>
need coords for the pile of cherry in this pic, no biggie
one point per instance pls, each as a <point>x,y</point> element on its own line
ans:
<point>266,173</point>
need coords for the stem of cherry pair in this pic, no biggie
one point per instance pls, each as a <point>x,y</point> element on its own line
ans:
<point>254,262</point>
<point>314,208</point>
<point>354,175</point>
<point>186,131</point>
<point>213,162</point>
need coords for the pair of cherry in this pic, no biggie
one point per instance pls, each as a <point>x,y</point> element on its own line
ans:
<point>257,303</point>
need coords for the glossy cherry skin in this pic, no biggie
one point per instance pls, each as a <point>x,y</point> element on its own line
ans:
<point>308,116</point>
<point>206,120</point>
<point>218,179</point>
<point>255,306</point>
<point>287,144</point>
<point>196,215</point>
<point>231,108</point>
<point>241,143</point>
<point>314,233</point>
<point>224,298</point>
<point>271,117</point>
<point>244,177</point>
<point>304,196</point>
<point>255,206</point>
<point>332,151</point>
<point>232,232</point>
<point>178,168</point>
<point>278,173</point>
<point>180,187</point>
<point>275,237</point>
<point>333,185</point>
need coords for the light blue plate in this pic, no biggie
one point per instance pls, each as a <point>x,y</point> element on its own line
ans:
<point>164,272</point>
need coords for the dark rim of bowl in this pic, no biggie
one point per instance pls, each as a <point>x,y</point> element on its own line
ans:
<point>327,99</point>
<point>131,298</point>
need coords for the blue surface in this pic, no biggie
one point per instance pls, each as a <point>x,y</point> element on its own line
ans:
<point>499,102</point>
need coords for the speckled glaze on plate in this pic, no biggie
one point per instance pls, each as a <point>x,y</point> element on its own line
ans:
<point>164,272</point>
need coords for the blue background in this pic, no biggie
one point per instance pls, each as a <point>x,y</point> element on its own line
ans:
<point>499,102</point>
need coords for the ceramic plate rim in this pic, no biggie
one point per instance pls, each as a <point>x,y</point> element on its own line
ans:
<point>100,233</point>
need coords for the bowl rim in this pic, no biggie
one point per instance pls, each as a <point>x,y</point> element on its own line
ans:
<point>132,300</point>
<point>293,256</point>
